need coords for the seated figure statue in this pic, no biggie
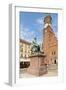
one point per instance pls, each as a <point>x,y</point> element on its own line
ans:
<point>35,48</point>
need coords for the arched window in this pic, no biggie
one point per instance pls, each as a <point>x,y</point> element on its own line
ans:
<point>55,61</point>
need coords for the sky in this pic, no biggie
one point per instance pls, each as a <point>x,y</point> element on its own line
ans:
<point>31,25</point>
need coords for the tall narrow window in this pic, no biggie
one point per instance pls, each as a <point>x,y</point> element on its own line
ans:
<point>54,52</point>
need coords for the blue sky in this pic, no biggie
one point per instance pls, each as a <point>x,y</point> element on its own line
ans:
<point>31,25</point>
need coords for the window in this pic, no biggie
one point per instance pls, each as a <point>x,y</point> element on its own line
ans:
<point>54,52</point>
<point>25,56</point>
<point>55,62</point>
<point>21,49</point>
<point>21,55</point>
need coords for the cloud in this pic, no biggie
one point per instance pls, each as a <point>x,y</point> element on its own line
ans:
<point>26,33</point>
<point>40,24</point>
<point>40,21</point>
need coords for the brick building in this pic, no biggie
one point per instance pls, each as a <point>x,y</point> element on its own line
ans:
<point>50,42</point>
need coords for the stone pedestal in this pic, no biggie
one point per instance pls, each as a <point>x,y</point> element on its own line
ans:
<point>37,65</point>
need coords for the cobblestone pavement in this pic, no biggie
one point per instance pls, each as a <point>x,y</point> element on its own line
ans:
<point>52,71</point>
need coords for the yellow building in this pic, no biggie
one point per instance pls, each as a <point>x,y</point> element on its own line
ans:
<point>50,42</point>
<point>24,53</point>
<point>24,48</point>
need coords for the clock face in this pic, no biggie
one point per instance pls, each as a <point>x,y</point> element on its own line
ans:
<point>47,24</point>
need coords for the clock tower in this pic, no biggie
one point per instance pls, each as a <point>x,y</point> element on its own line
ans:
<point>50,44</point>
<point>47,21</point>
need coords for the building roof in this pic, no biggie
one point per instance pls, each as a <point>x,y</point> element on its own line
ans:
<point>24,41</point>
